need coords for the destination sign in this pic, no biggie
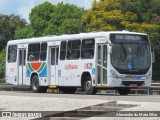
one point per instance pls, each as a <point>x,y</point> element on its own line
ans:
<point>128,37</point>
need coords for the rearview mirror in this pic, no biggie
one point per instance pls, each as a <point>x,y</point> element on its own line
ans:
<point>109,48</point>
<point>153,55</point>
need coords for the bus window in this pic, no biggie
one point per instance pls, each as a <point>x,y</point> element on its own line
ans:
<point>63,50</point>
<point>12,53</point>
<point>33,52</point>
<point>43,51</point>
<point>73,49</point>
<point>87,51</point>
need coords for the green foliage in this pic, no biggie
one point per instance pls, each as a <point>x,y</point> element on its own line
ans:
<point>2,65</point>
<point>26,32</point>
<point>146,10</point>
<point>47,19</point>
<point>50,30</point>
<point>67,18</point>
<point>70,26</point>
<point>8,25</point>
<point>40,17</point>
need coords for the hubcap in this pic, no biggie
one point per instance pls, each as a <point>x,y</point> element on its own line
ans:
<point>88,85</point>
<point>35,84</point>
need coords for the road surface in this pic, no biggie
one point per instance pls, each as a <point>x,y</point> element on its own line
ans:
<point>109,97</point>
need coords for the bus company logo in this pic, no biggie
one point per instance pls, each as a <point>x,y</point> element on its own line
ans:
<point>70,67</point>
<point>88,65</point>
<point>39,67</point>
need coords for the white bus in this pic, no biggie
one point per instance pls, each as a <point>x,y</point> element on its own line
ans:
<point>98,60</point>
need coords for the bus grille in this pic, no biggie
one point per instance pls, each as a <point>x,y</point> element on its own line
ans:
<point>138,83</point>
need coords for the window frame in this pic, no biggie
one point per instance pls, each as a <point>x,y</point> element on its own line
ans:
<point>15,54</point>
<point>73,52</point>
<point>61,50</point>
<point>86,49</point>
<point>43,51</point>
<point>36,55</point>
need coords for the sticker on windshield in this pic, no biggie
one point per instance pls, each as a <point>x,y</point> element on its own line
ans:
<point>129,66</point>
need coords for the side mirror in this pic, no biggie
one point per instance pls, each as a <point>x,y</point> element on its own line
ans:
<point>109,48</point>
<point>153,55</point>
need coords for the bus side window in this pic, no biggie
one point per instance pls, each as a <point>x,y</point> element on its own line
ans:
<point>63,50</point>
<point>87,50</point>
<point>33,52</point>
<point>12,53</point>
<point>43,53</point>
<point>73,49</point>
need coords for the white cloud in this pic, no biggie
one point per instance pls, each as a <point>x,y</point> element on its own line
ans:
<point>25,8</point>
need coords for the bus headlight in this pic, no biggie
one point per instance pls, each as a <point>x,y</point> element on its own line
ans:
<point>148,77</point>
<point>114,75</point>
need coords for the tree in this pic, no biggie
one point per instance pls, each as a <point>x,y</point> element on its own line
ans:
<point>109,15</point>
<point>40,17</point>
<point>146,10</point>
<point>47,19</point>
<point>2,65</point>
<point>70,26</point>
<point>25,32</point>
<point>8,25</point>
<point>67,18</point>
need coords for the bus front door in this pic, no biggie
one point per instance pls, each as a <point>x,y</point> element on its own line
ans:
<point>22,66</point>
<point>102,64</point>
<point>54,65</point>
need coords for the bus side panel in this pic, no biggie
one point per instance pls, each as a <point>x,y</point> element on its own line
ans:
<point>11,73</point>
<point>70,71</point>
<point>40,68</point>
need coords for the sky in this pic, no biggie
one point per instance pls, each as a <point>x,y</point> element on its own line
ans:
<point>23,7</point>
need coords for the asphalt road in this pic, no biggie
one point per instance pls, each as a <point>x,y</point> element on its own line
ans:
<point>135,98</point>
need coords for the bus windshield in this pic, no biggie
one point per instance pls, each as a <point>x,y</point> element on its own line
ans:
<point>131,56</point>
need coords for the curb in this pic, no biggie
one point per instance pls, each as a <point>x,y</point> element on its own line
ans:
<point>9,87</point>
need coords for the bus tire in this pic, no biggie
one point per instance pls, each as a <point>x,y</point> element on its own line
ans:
<point>123,91</point>
<point>35,85</point>
<point>68,90</point>
<point>88,88</point>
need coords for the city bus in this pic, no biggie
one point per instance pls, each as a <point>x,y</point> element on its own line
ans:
<point>118,60</point>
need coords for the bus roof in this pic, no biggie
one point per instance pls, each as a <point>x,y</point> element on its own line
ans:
<point>50,38</point>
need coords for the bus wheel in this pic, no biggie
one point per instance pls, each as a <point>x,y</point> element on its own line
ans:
<point>35,85</point>
<point>68,90</point>
<point>88,87</point>
<point>123,91</point>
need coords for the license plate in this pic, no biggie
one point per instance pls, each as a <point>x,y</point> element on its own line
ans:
<point>133,85</point>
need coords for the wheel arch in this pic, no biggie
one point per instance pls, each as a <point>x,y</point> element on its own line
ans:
<point>33,74</point>
<point>83,76</point>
